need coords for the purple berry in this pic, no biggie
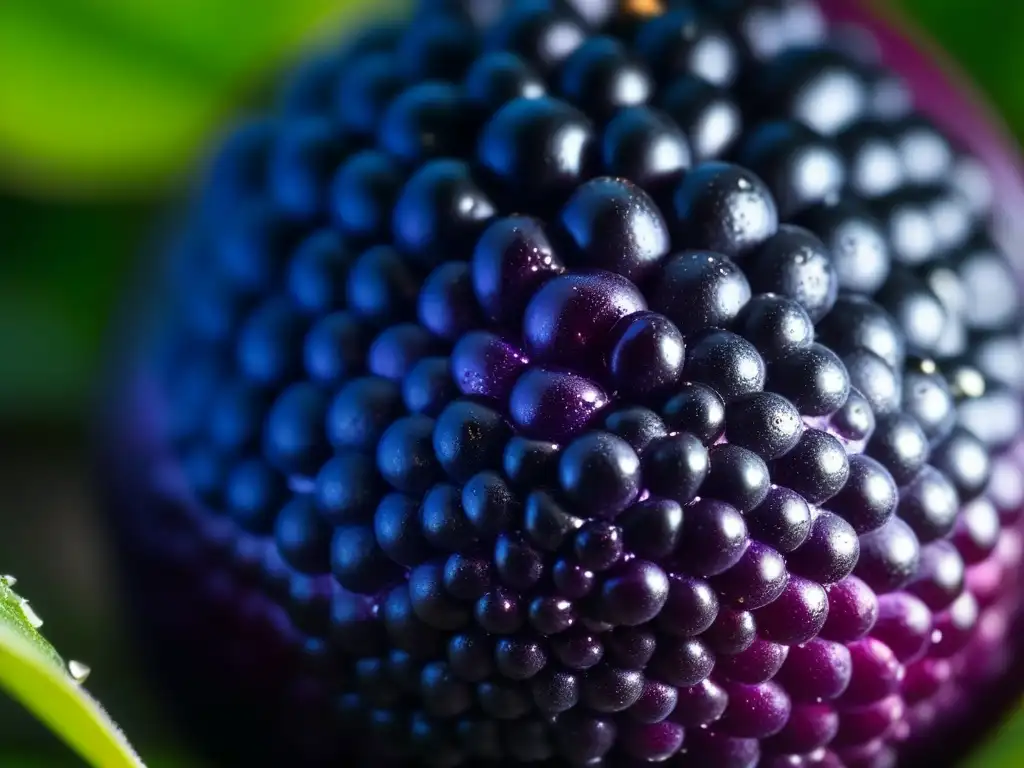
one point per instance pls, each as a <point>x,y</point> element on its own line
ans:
<point>800,167</point>
<point>727,363</point>
<point>817,467</point>
<point>570,316</point>
<point>608,689</point>
<point>509,142</point>
<point>647,355</point>
<point>783,520</point>
<point>794,263</point>
<point>652,742</point>
<point>797,615</point>
<point>699,290</point>
<point>630,647</point>
<point>697,409</point>
<point>554,404</point>
<point>869,498</point>
<point>681,663</point>
<point>813,378</point>
<point>757,664</point>
<point>810,728</point>
<point>766,423</point>
<point>707,53</point>
<point>755,711</point>
<point>675,466</point>
<point>512,259</point>
<point>633,594</point>
<point>715,748</point>
<point>691,607</point>
<point>737,476</point>
<point>652,528</point>
<point>830,553</point>
<point>732,632</point>
<point>876,672</point>
<point>569,382</point>
<point>725,209</point>
<point>614,225</point>
<point>852,610</point>
<point>546,523</point>
<point>600,473</point>
<point>647,147</point>
<point>637,425</point>
<point>699,704</point>
<point>714,537</point>
<point>904,624</point>
<point>889,556</point>
<point>817,671</point>
<point>759,578</point>
<point>657,701</point>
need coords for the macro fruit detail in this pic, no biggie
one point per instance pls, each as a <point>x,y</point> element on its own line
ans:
<point>570,382</point>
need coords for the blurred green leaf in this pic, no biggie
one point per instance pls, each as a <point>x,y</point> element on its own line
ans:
<point>48,761</point>
<point>33,672</point>
<point>984,37</point>
<point>116,96</point>
<point>62,276</point>
<point>1005,749</point>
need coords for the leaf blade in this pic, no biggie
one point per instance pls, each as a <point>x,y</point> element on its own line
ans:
<point>33,673</point>
<point>106,98</point>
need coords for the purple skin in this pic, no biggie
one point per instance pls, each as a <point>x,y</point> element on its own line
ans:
<point>546,475</point>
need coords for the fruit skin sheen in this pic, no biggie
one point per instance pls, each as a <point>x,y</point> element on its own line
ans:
<point>550,383</point>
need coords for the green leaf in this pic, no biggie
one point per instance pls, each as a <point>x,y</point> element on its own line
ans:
<point>984,37</point>
<point>64,275</point>
<point>1005,748</point>
<point>102,97</point>
<point>32,672</point>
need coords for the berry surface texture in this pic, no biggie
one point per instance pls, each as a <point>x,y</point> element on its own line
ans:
<point>580,383</point>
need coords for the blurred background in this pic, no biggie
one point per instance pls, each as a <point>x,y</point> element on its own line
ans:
<point>105,108</point>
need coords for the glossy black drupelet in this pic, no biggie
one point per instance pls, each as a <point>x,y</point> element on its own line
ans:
<point>557,385</point>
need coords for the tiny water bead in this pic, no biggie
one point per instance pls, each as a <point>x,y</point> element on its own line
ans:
<point>572,383</point>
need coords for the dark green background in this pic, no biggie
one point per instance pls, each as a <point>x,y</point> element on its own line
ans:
<point>104,106</point>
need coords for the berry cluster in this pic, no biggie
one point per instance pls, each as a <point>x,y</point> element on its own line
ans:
<point>554,380</point>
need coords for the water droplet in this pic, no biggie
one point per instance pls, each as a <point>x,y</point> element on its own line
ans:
<point>30,615</point>
<point>78,670</point>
